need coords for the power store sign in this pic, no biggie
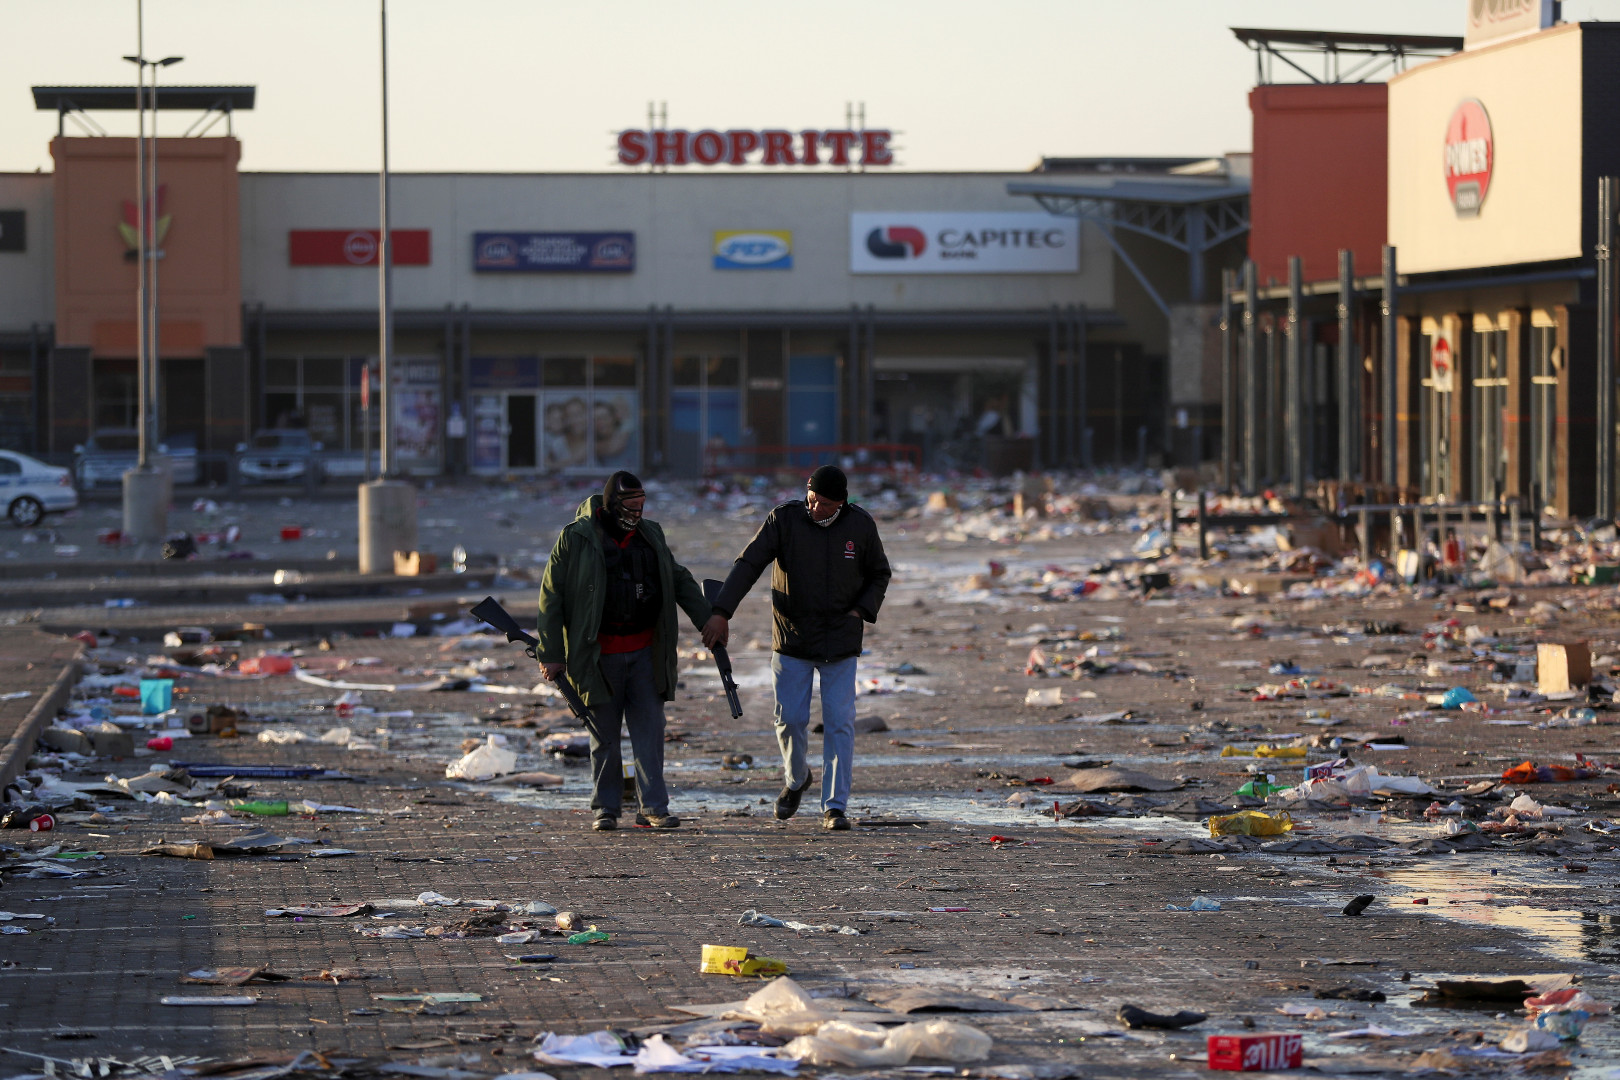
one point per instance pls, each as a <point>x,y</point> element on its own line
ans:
<point>1470,157</point>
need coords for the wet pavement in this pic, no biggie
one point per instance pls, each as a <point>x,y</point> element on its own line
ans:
<point>960,874</point>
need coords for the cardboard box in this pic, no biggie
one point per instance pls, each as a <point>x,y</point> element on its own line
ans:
<point>218,720</point>
<point>1562,667</point>
<point>1256,1053</point>
<point>115,744</point>
<point>415,563</point>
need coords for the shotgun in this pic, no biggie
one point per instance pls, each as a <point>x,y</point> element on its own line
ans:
<point>489,611</point>
<point>722,659</point>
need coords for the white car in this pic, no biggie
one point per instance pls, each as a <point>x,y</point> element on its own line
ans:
<point>30,489</point>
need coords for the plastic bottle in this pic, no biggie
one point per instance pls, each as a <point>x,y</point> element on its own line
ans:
<point>263,809</point>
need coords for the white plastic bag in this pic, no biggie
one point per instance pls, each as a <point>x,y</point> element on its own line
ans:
<point>488,760</point>
<point>842,1043</point>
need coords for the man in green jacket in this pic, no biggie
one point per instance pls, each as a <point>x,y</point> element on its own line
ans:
<point>608,625</point>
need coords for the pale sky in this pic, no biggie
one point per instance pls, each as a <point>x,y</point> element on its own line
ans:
<point>536,85</point>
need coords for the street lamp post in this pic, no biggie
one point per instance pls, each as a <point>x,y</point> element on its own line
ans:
<point>388,504</point>
<point>154,323</point>
<point>146,494</point>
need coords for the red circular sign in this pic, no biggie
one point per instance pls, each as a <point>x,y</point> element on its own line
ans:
<point>1470,156</point>
<point>360,248</point>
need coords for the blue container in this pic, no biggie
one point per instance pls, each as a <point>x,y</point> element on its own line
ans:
<point>157,696</point>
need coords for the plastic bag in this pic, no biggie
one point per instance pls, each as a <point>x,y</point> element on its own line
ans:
<point>855,1045</point>
<point>488,760</point>
<point>1250,823</point>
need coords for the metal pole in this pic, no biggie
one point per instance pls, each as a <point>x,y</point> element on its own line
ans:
<point>1228,421</point>
<point>153,323</point>
<point>1386,431</point>
<point>1608,201</point>
<point>1347,359</point>
<point>385,278</point>
<point>1251,378</point>
<point>1079,446</point>
<point>1203,526</point>
<point>143,435</point>
<point>1296,377</point>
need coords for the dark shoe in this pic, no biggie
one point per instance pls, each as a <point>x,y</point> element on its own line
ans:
<point>605,824</point>
<point>787,803</point>
<point>658,821</point>
<point>835,821</point>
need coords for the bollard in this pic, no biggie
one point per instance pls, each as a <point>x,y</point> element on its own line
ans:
<point>1394,531</point>
<point>1366,540</point>
<point>1203,526</point>
<point>1535,517</point>
<point>1513,521</point>
<point>1419,541</point>
<point>1491,531</point>
<point>1170,519</point>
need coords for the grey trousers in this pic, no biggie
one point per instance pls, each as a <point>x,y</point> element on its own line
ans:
<point>638,707</point>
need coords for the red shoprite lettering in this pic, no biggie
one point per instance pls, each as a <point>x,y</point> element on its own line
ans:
<point>771,146</point>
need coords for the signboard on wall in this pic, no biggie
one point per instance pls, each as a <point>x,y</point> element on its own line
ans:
<point>762,249</point>
<point>1469,154</point>
<point>1485,156</point>
<point>839,147</point>
<point>357,247</point>
<point>1490,21</point>
<point>13,230</point>
<point>965,243</point>
<point>414,398</point>
<point>554,252</point>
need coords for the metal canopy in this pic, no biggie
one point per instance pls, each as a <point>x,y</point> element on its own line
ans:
<point>1191,216</point>
<point>1367,55</point>
<point>78,101</point>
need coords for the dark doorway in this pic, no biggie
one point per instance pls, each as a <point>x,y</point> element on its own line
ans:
<point>520,434</point>
<point>183,390</point>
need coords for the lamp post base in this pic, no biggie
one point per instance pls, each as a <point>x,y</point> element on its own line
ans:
<point>146,504</point>
<point>387,523</point>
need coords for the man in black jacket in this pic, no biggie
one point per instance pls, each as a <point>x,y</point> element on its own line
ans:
<point>829,577</point>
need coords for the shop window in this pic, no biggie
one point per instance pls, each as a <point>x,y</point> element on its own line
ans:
<point>687,371</point>
<point>325,371</point>
<point>724,371</point>
<point>281,372</point>
<point>115,393</point>
<point>563,371</point>
<point>613,371</point>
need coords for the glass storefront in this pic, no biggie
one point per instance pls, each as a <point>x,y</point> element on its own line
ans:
<point>555,414</point>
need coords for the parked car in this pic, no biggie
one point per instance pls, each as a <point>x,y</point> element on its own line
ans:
<point>277,455</point>
<point>111,452</point>
<point>30,489</point>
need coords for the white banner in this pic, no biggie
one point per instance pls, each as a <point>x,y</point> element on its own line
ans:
<point>987,243</point>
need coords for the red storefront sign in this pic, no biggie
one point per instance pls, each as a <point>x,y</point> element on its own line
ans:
<point>1469,158</point>
<point>771,146</point>
<point>357,247</point>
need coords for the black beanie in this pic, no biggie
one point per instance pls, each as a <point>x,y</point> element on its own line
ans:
<point>830,481</point>
<point>620,486</point>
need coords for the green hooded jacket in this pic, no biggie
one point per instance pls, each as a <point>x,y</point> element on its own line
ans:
<point>571,598</point>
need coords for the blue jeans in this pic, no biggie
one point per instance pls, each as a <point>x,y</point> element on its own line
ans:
<point>637,706</point>
<point>791,679</point>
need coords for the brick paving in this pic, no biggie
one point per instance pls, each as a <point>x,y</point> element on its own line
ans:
<point>1075,913</point>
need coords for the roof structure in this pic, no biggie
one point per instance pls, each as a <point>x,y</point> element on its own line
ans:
<point>1189,215</point>
<point>77,102</point>
<point>1342,57</point>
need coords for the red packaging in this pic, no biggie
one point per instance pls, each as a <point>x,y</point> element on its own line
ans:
<point>162,742</point>
<point>292,532</point>
<point>43,823</point>
<point>1255,1053</point>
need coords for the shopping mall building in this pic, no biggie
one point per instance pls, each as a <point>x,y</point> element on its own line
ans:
<point>1473,376</point>
<point>657,318</point>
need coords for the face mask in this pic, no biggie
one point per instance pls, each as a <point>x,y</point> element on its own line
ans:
<point>628,519</point>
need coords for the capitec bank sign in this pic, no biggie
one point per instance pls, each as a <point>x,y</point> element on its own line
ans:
<point>943,243</point>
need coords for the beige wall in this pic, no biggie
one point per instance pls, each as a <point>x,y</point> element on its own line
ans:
<point>1531,90</point>
<point>25,276</point>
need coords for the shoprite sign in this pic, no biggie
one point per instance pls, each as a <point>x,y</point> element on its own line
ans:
<point>1470,156</point>
<point>768,146</point>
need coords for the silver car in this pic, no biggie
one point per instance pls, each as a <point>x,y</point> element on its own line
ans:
<point>277,455</point>
<point>30,489</point>
<point>111,452</point>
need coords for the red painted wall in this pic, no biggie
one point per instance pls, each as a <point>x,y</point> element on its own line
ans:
<point>1320,178</point>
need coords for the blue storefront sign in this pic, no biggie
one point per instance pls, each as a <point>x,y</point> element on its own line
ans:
<point>554,252</point>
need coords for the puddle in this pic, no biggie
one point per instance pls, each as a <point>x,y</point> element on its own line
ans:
<point>1472,894</point>
<point>943,809</point>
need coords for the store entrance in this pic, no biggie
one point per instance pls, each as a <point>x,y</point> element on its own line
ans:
<point>1490,386</point>
<point>521,443</point>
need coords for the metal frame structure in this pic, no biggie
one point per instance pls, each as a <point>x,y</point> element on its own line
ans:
<point>1370,56</point>
<point>1191,216</point>
<point>76,102</point>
